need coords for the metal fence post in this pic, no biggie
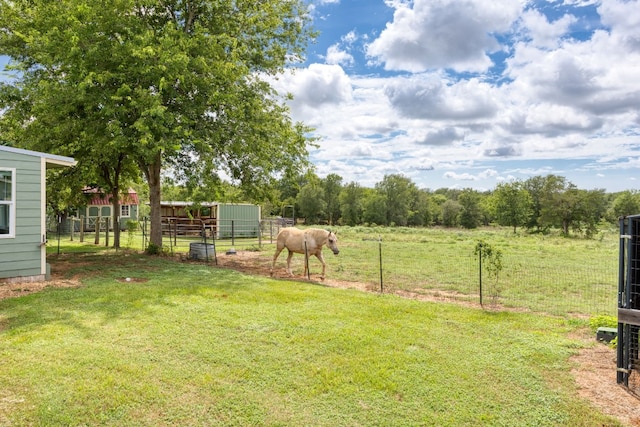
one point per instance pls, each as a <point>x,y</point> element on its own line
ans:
<point>233,233</point>
<point>106,230</point>
<point>59,225</point>
<point>480,271</point>
<point>380,259</point>
<point>306,258</point>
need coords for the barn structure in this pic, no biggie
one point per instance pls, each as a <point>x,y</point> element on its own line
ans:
<point>23,212</point>
<point>99,205</point>
<point>223,220</point>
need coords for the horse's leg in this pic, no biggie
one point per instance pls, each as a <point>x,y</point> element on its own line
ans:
<point>275,257</point>
<point>289,263</point>
<point>324,265</point>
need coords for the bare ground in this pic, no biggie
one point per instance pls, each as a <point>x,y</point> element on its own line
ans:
<point>594,367</point>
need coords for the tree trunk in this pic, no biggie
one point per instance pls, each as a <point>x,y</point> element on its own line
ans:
<point>115,203</point>
<point>153,179</point>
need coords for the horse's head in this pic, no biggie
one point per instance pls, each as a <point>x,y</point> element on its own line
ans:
<point>332,242</point>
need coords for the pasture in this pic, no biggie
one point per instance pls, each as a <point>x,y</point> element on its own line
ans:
<point>185,343</point>
<point>541,273</point>
<point>546,273</point>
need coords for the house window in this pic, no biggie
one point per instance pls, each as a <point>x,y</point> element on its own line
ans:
<point>7,203</point>
<point>124,211</point>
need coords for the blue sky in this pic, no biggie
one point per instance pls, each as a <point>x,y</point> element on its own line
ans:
<point>471,93</point>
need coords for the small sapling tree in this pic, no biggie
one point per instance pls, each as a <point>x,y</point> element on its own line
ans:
<point>490,261</point>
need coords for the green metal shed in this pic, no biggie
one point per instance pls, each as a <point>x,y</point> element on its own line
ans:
<point>23,232</point>
<point>238,219</point>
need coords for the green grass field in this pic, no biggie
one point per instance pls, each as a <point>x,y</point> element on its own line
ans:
<point>192,344</point>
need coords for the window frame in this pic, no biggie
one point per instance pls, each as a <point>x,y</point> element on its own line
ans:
<point>122,211</point>
<point>11,203</point>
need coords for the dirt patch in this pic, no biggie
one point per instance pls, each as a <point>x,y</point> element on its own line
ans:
<point>594,366</point>
<point>57,280</point>
<point>10,290</point>
<point>595,374</point>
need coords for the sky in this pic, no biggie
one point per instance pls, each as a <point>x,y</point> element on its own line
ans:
<point>472,93</point>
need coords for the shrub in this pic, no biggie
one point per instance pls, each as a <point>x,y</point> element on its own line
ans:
<point>602,320</point>
<point>154,249</point>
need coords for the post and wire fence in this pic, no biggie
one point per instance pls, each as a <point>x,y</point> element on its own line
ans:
<point>452,270</point>
<point>491,278</point>
<point>177,233</point>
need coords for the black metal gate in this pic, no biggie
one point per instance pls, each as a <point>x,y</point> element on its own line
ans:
<point>628,367</point>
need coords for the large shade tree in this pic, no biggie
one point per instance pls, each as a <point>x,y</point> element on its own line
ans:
<point>512,204</point>
<point>397,192</point>
<point>160,84</point>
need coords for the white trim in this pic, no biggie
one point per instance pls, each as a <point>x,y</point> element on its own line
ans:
<point>12,204</point>
<point>52,159</point>
<point>43,215</point>
<point>177,204</point>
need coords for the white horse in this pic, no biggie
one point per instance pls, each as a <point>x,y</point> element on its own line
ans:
<point>297,241</point>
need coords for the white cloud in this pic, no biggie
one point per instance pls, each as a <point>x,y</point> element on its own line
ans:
<point>621,15</point>
<point>315,86</point>
<point>460,176</point>
<point>542,32</point>
<point>350,38</point>
<point>434,34</point>
<point>444,136</point>
<point>336,56</point>
<point>557,96</point>
<point>429,97</point>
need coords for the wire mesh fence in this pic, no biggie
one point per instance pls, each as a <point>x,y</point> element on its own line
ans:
<point>535,279</point>
<point>178,234</point>
<point>539,278</point>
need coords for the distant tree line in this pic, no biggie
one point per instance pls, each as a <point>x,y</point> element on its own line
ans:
<point>537,204</point>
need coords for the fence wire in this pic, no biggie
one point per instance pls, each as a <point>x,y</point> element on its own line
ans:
<point>539,281</point>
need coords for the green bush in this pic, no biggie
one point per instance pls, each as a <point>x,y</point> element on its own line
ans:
<point>154,249</point>
<point>602,321</point>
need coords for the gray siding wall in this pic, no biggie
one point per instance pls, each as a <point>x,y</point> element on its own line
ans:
<point>20,256</point>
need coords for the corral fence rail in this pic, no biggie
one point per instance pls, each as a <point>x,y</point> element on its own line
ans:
<point>179,234</point>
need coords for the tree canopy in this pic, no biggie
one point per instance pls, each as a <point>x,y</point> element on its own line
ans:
<point>156,84</point>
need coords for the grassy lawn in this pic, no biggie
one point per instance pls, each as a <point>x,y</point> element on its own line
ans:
<point>191,344</point>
